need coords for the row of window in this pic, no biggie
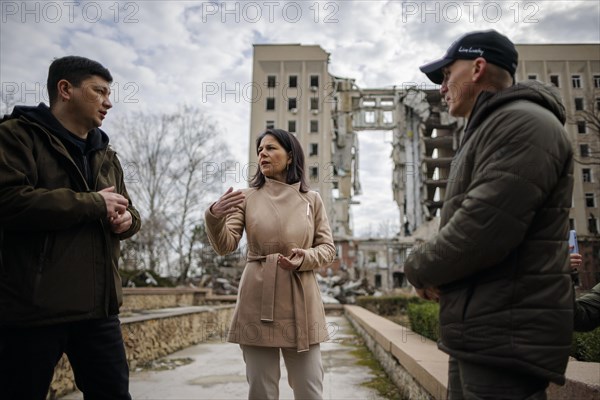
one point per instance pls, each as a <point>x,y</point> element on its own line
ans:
<point>590,198</point>
<point>313,148</point>
<point>292,81</point>
<point>576,80</point>
<point>580,105</point>
<point>293,104</point>
<point>592,223</point>
<point>314,125</point>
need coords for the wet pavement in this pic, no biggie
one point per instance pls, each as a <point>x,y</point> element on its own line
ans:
<point>215,371</point>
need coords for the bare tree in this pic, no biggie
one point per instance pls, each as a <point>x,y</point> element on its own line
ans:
<point>164,157</point>
<point>147,155</point>
<point>199,145</point>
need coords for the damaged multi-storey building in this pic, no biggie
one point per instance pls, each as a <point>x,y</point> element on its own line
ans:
<point>294,90</point>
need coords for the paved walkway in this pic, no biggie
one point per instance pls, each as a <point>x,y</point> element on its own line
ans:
<point>216,372</point>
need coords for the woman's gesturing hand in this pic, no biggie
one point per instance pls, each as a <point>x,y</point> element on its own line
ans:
<point>227,203</point>
<point>292,262</point>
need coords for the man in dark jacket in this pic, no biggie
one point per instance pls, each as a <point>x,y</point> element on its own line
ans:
<point>587,310</point>
<point>63,211</point>
<point>499,263</point>
<point>587,307</point>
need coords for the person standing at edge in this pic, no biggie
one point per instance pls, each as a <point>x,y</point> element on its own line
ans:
<point>63,211</point>
<point>587,307</point>
<point>587,310</point>
<point>279,307</point>
<point>499,265</point>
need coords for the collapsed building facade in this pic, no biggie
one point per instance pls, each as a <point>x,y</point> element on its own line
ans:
<point>294,90</point>
<point>424,140</point>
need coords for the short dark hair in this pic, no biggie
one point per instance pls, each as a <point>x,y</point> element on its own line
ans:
<point>74,69</point>
<point>295,172</point>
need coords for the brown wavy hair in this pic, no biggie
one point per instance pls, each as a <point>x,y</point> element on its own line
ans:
<point>295,172</point>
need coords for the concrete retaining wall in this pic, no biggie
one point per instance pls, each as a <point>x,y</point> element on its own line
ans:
<point>135,299</point>
<point>155,334</point>
<point>420,369</point>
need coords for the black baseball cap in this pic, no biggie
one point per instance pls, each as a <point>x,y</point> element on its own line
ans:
<point>496,48</point>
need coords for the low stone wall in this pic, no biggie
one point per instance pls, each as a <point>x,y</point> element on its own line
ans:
<point>156,334</point>
<point>420,369</point>
<point>135,299</point>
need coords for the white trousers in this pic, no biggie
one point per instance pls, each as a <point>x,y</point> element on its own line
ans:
<point>305,372</point>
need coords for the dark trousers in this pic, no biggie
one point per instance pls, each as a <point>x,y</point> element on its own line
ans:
<point>95,350</point>
<point>474,382</point>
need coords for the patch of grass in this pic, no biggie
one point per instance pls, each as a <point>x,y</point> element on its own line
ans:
<point>380,381</point>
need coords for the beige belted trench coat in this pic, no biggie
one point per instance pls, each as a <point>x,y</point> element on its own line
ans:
<point>276,307</point>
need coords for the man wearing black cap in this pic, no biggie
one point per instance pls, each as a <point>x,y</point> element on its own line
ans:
<point>499,264</point>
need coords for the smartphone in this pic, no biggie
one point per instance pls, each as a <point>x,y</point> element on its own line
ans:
<point>573,246</point>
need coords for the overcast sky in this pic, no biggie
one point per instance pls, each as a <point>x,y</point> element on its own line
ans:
<point>165,53</point>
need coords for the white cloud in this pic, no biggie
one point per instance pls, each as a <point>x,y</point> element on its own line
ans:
<point>164,53</point>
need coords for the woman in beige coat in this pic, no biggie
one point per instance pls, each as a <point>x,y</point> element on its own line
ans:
<point>279,307</point>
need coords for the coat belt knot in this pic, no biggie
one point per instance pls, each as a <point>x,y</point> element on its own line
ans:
<point>270,268</point>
